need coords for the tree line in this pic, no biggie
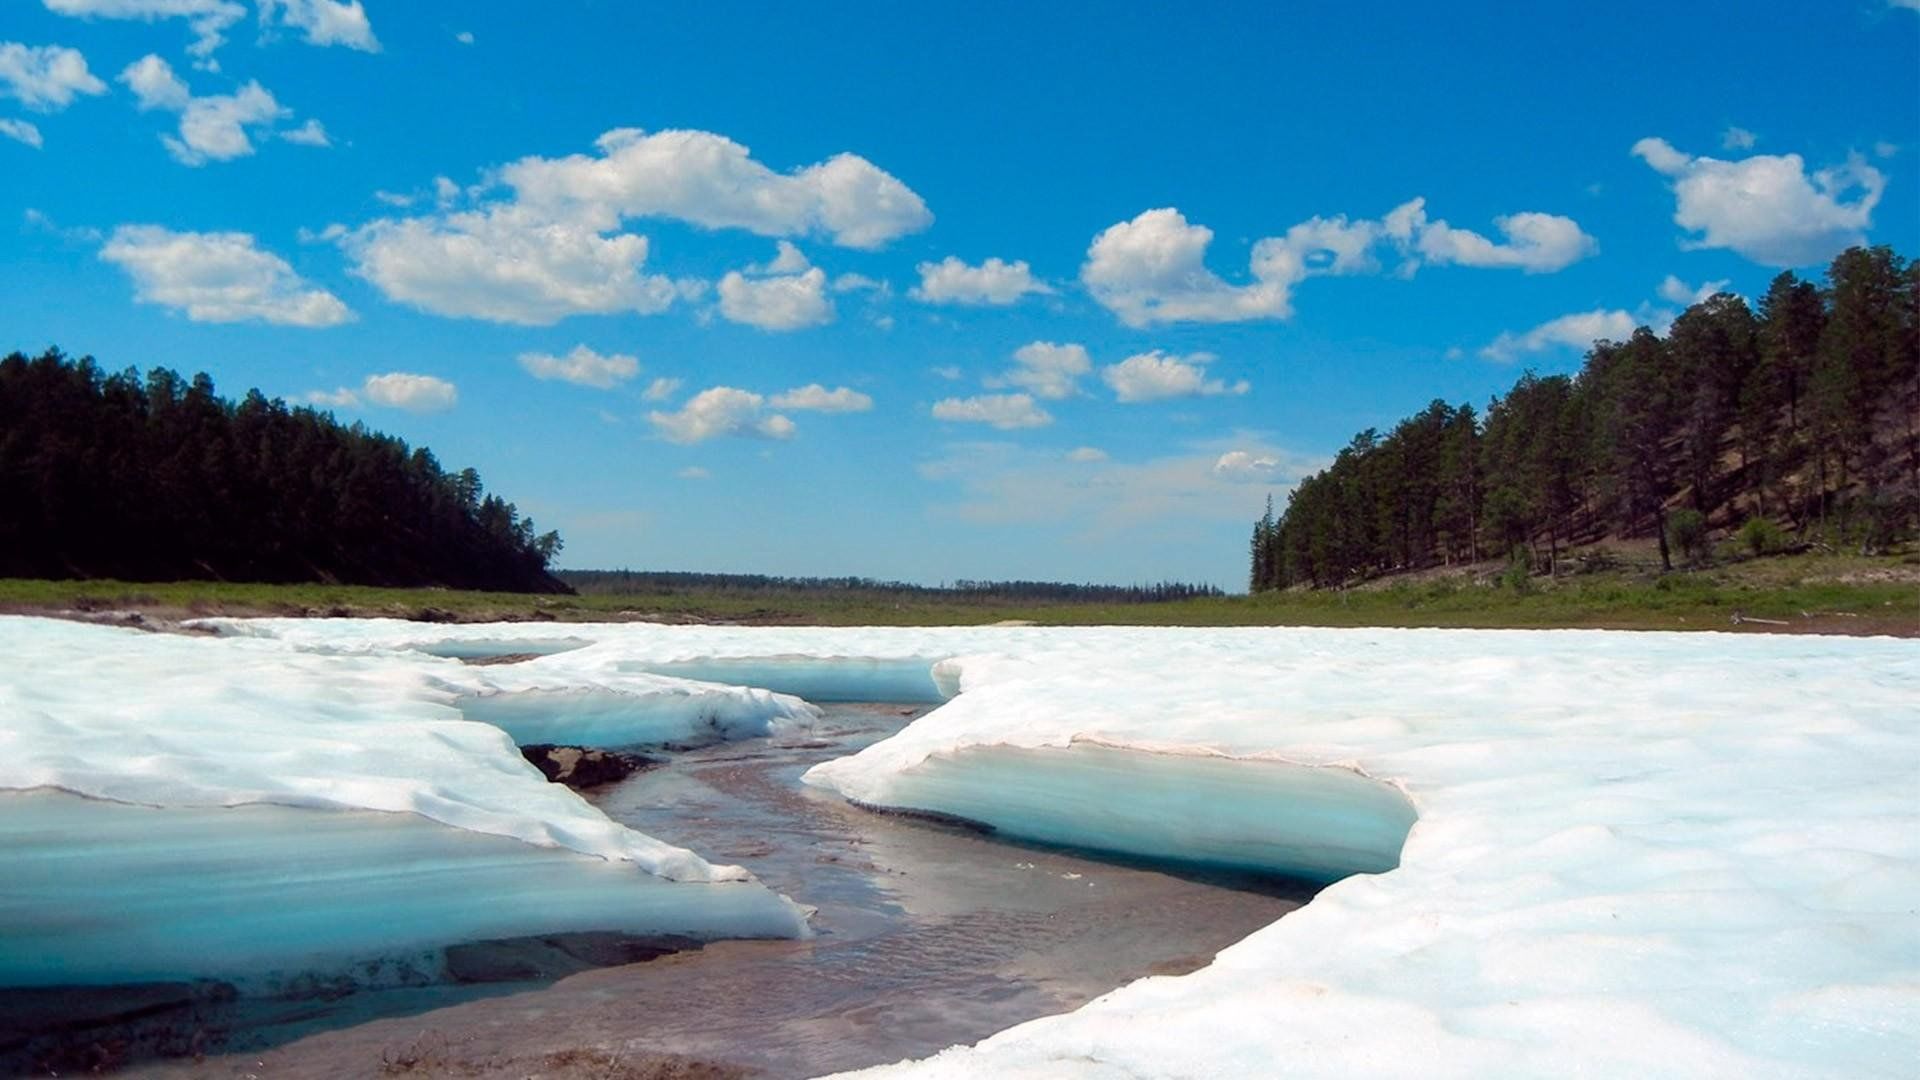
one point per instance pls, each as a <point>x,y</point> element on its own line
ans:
<point>158,479</point>
<point>1803,410</point>
<point>623,582</point>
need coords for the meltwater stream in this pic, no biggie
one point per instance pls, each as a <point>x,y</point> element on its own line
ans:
<point>927,935</point>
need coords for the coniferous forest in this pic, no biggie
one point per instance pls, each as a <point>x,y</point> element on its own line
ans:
<point>159,479</point>
<point>1798,417</point>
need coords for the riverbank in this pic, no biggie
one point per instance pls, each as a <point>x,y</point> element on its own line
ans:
<point>1812,593</point>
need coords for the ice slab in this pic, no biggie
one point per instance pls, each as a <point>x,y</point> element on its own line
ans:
<point>194,724</point>
<point>101,892</point>
<point>1204,810</point>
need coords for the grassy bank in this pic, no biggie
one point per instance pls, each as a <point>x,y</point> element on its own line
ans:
<point>1808,593</point>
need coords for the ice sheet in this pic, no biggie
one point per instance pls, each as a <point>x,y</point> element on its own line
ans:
<point>1635,854</point>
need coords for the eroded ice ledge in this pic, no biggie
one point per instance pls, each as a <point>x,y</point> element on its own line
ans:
<point>131,754</point>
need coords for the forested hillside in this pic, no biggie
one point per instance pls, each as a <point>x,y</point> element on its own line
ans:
<point>1800,417</point>
<point>158,478</point>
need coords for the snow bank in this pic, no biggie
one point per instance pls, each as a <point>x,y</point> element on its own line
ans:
<point>162,721</point>
<point>1635,854</point>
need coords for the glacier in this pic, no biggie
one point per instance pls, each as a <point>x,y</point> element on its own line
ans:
<point>1577,852</point>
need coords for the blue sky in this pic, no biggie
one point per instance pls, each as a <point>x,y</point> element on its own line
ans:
<point>902,292</point>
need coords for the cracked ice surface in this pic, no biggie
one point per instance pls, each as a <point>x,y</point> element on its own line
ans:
<point>1635,854</point>
<point>126,718</point>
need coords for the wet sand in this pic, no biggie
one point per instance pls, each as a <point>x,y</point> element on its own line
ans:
<point>927,935</point>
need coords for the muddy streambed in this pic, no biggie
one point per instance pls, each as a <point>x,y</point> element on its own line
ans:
<point>927,935</point>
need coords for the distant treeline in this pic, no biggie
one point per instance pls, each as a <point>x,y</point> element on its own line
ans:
<point>621,582</point>
<point>1806,411</point>
<point>158,478</point>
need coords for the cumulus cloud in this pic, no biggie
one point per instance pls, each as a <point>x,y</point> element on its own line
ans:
<point>1156,376</point>
<point>498,265</point>
<point>718,411</point>
<point>1086,454</point>
<point>1535,243</point>
<point>1153,269</point>
<point>816,398</point>
<point>464,37</point>
<point>1046,370</point>
<point>20,131</point>
<point>786,302</point>
<point>219,277</point>
<point>784,294</point>
<point>1007,412</point>
<point>413,393</point>
<point>994,282</point>
<point>1578,330</point>
<point>552,247</point>
<point>661,389</point>
<point>45,78</point>
<point>323,22</point>
<point>1249,467</point>
<point>1739,138</point>
<point>1768,207</point>
<point>212,128</point>
<point>209,19</point>
<point>581,367</point>
<point>712,181</point>
<point>1675,291</point>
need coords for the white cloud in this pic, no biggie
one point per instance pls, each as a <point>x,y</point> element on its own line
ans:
<point>1046,370</point>
<point>324,22</point>
<point>782,302</point>
<point>949,372</point>
<point>994,282</point>
<point>718,411</point>
<point>712,181</point>
<point>20,131</point>
<point>1250,467</point>
<point>1535,243</point>
<point>311,133</point>
<point>413,393</point>
<point>45,78</point>
<point>498,266</point>
<point>341,398</point>
<point>1739,138</point>
<point>552,248</point>
<point>212,128</point>
<point>846,283</point>
<point>1156,376</point>
<point>816,398</point>
<point>787,259</point>
<point>1086,454</point>
<point>1004,411</point>
<point>464,37</point>
<point>1578,330</point>
<point>219,277</point>
<point>1883,148</point>
<point>693,472</point>
<point>1675,291</point>
<point>1767,207</point>
<point>661,389</point>
<point>1152,269</point>
<point>394,198</point>
<point>209,19</point>
<point>582,367</point>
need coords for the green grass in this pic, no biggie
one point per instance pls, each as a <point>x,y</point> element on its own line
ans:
<point>1815,593</point>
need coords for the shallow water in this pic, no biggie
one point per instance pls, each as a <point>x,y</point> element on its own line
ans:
<point>927,935</point>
